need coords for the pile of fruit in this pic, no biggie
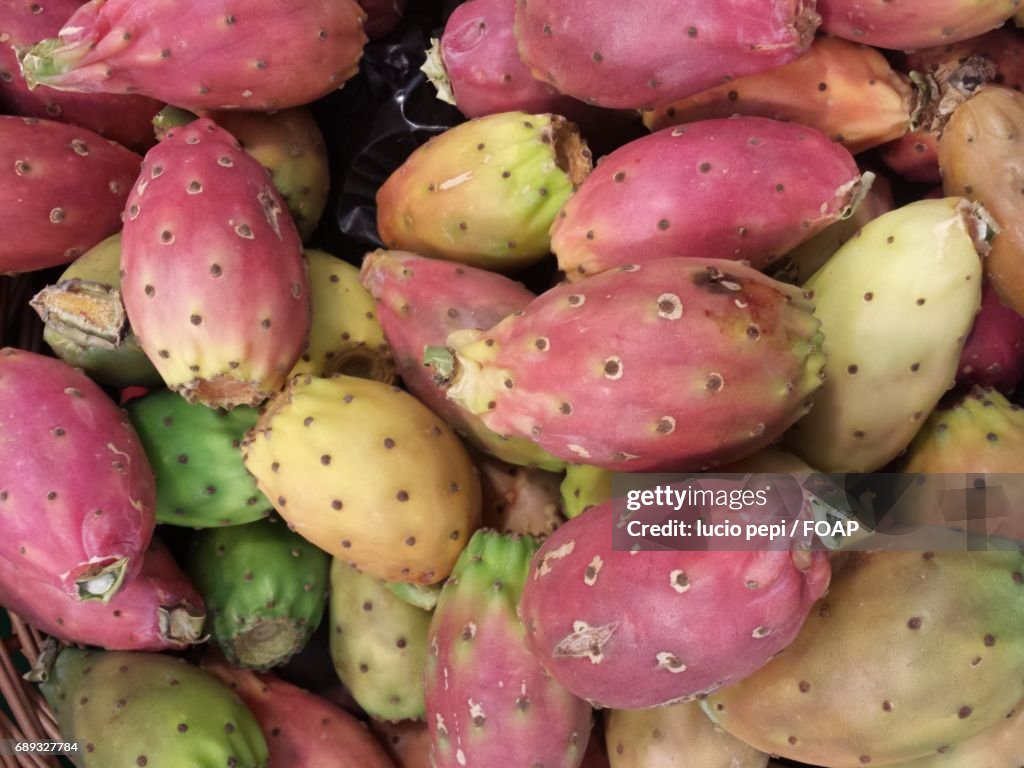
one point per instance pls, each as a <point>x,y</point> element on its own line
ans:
<point>280,508</point>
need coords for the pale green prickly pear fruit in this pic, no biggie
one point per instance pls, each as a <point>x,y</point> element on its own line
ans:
<point>676,736</point>
<point>131,709</point>
<point>584,487</point>
<point>378,644</point>
<point>896,304</point>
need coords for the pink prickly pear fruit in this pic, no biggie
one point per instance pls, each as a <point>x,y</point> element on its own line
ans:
<point>911,651</point>
<point>847,91</point>
<point>485,192</point>
<point>288,144</point>
<point>907,26</point>
<point>64,193</point>
<point>702,361</point>
<point>993,355</point>
<point>156,610</point>
<point>419,302</point>
<point>745,188</point>
<point>672,50</point>
<point>202,55</point>
<point>214,282</point>
<point>631,630</point>
<point>676,736</point>
<point>302,730</point>
<point>407,742</point>
<point>517,499</point>
<point>488,699</point>
<point>86,527</point>
<point>382,16</point>
<point>914,156</point>
<point>120,117</point>
<point>476,67</point>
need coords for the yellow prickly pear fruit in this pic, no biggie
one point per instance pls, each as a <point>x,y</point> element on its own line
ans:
<point>367,473</point>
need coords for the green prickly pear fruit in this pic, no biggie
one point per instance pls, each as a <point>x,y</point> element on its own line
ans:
<point>378,644</point>
<point>909,653</point>
<point>344,334</point>
<point>85,321</point>
<point>1001,746</point>
<point>584,487</point>
<point>367,473</point>
<point>896,304</point>
<point>132,709</point>
<point>201,481</point>
<point>265,589</point>
<point>485,192</point>
<point>288,143</point>
<point>676,736</point>
<point>422,596</point>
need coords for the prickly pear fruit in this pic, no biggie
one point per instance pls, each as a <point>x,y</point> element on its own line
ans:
<point>914,156</point>
<point>672,50</point>
<point>367,473</point>
<point>201,481</point>
<point>345,335</point>
<point>476,66</point>
<point>896,304</point>
<point>85,527</point>
<point>156,610</point>
<point>994,353</point>
<point>677,736</point>
<point>519,499</point>
<point>485,192</point>
<point>203,55</point>
<point>265,588</point>
<point>908,26</point>
<point>133,709</point>
<point>382,16</point>
<point>847,91</point>
<point>120,117</point>
<point>489,701</point>
<point>868,657</point>
<point>378,644</point>
<point>422,596</point>
<point>770,460</point>
<point>407,742</point>
<point>288,144</point>
<point>419,302</point>
<point>744,188</point>
<point>65,190</point>
<point>301,729</point>
<point>584,487</point>
<point>1001,746</point>
<point>744,349</point>
<point>629,630</point>
<point>980,159</point>
<point>214,281</point>
<point>85,321</point>
<point>982,432</point>
<point>799,264</point>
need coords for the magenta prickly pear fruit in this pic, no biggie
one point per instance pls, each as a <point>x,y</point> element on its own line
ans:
<point>909,25</point>
<point>519,499</point>
<point>744,188</point>
<point>156,610</point>
<point>476,66</point>
<point>703,362</point>
<point>83,528</point>
<point>120,117</point>
<point>485,192</point>
<point>382,16</point>
<point>671,50</point>
<point>64,191</point>
<point>993,355</point>
<point>214,281</point>
<point>911,652</point>
<point>489,700</point>
<point>896,303</point>
<point>676,736</point>
<point>367,473</point>
<point>302,730</point>
<point>203,55</point>
<point>631,630</point>
<point>419,302</point>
